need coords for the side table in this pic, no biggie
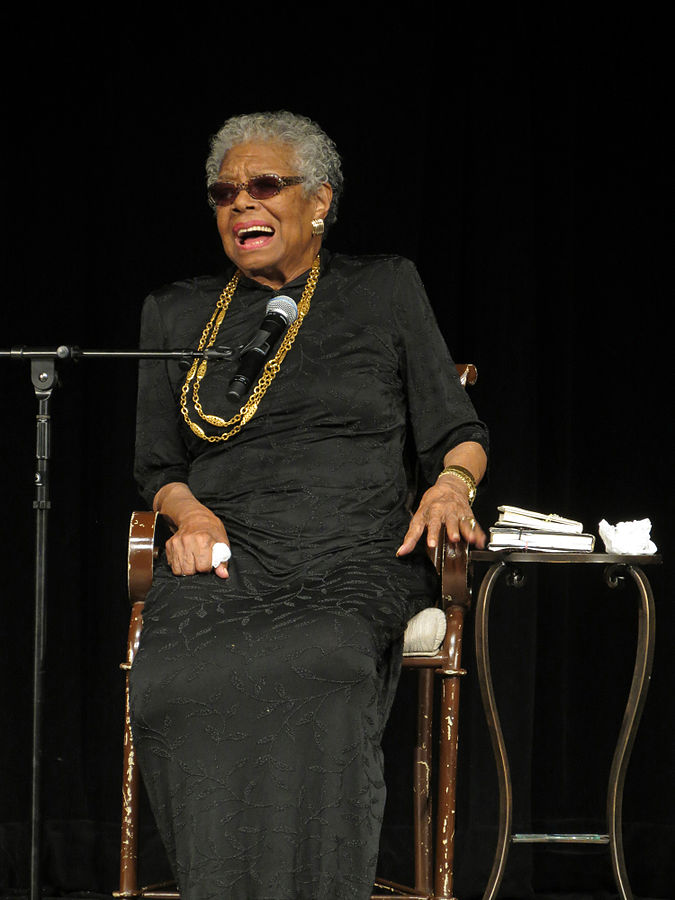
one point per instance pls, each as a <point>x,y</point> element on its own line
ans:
<point>512,565</point>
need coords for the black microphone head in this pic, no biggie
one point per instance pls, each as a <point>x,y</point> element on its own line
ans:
<point>280,312</point>
<point>284,306</point>
<point>237,390</point>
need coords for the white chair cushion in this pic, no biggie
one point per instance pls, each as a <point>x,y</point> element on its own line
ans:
<point>424,633</point>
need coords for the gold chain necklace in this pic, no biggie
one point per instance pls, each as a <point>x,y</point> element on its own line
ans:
<point>198,368</point>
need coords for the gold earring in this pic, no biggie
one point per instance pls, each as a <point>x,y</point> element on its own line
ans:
<point>317,226</point>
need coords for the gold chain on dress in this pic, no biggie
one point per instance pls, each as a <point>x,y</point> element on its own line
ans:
<point>198,368</point>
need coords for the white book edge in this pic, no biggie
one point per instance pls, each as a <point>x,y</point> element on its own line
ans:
<point>549,521</point>
<point>539,540</point>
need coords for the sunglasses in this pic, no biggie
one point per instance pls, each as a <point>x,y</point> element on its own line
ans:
<point>261,187</point>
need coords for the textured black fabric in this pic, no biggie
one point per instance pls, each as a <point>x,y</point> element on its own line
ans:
<point>258,703</point>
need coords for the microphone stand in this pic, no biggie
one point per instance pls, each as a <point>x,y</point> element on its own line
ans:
<point>44,378</point>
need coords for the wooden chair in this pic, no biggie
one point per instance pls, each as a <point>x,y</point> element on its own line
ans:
<point>432,647</point>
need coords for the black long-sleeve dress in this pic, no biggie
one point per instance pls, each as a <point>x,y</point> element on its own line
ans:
<point>258,702</point>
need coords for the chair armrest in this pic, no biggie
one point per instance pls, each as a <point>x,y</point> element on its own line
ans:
<point>141,554</point>
<point>455,585</point>
<point>451,561</point>
<point>433,638</point>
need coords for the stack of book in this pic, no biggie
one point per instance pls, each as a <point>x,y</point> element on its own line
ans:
<point>524,529</point>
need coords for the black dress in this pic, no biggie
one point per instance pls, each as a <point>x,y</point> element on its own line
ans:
<point>259,702</point>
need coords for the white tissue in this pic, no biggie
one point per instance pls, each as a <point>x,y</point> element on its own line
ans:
<point>627,537</point>
<point>220,554</point>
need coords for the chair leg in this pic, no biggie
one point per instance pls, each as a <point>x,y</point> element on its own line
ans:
<point>422,783</point>
<point>130,778</point>
<point>447,758</point>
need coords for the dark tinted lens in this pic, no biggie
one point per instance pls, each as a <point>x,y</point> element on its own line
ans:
<point>222,193</point>
<point>264,186</point>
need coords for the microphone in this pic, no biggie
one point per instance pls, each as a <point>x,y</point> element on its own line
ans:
<point>279,314</point>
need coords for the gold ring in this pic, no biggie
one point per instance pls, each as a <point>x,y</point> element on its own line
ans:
<point>469,519</point>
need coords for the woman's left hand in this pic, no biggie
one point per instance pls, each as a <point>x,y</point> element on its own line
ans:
<point>445,504</point>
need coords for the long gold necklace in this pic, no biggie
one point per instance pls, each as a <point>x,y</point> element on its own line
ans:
<point>198,369</point>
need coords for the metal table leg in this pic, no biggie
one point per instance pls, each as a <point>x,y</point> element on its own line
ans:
<point>636,700</point>
<point>614,574</point>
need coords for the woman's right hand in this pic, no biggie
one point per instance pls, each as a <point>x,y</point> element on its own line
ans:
<point>197,529</point>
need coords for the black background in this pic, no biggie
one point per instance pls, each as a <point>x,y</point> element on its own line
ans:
<point>519,155</point>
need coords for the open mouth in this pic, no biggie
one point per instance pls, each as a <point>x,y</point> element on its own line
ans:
<point>251,237</point>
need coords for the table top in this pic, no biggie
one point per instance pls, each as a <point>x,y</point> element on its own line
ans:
<point>580,558</point>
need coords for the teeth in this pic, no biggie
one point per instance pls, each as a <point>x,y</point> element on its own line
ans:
<point>258,228</point>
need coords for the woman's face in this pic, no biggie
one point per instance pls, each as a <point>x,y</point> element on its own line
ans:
<point>284,246</point>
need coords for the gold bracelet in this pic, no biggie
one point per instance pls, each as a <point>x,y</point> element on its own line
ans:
<point>465,476</point>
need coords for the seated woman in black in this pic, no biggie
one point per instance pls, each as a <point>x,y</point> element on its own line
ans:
<point>262,685</point>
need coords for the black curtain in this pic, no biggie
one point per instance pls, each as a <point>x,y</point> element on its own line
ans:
<point>518,153</point>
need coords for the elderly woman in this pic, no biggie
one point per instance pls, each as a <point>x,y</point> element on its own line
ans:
<point>261,687</point>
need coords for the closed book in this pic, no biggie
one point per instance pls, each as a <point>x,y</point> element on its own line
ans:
<point>506,538</point>
<point>527,518</point>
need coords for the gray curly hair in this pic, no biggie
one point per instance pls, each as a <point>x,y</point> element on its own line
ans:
<point>315,153</point>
